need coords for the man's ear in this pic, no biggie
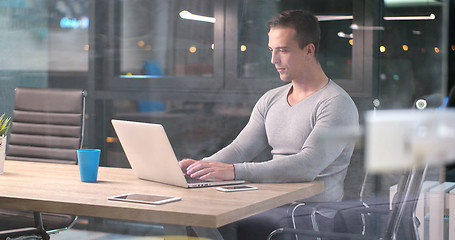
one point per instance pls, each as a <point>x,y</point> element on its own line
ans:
<point>311,49</point>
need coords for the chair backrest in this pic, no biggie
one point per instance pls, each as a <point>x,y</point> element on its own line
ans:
<point>47,125</point>
<point>402,220</point>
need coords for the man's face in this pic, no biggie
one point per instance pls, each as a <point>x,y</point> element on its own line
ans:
<point>289,59</point>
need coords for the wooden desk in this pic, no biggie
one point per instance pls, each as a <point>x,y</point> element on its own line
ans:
<point>57,188</point>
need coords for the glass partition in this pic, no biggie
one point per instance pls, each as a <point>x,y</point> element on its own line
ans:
<point>199,66</point>
<point>167,38</point>
<point>42,41</point>
<point>412,54</point>
<point>335,53</point>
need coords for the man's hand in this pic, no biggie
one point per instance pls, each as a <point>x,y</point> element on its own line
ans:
<point>207,170</point>
<point>185,163</point>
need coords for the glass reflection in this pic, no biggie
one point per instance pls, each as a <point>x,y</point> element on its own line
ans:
<point>335,53</point>
<point>167,38</point>
<point>410,57</point>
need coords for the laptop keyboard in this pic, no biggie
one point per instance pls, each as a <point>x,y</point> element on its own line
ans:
<point>193,180</point>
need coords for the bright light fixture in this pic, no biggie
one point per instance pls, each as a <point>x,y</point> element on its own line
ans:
<point>400,18</point>
<point>192,49</point>
<point>322,18</point>
<point>412,3</point>
<point>429,17</point>
<point>189,16</point>
<point>357,27</point>
<point>405,47</point>
<point>344,35</point>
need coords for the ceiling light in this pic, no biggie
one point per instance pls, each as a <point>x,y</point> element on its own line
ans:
<point>344,35</point>
<point>189,16</point>
<point>429,17</point>
<point>357,27</point>
<point>322,18</point>
<point>412,3</point>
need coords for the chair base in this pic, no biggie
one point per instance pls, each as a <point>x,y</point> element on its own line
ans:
<point>24,223</point>
<point>29,231</point>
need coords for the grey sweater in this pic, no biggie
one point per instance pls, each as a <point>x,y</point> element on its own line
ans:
<point>293,134</point>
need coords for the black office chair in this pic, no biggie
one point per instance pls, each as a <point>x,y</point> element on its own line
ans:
<point>400,222</point>
<point>47,126</point>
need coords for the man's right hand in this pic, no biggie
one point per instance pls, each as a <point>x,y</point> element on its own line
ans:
<point>207,170</point>
<point>185,163</point>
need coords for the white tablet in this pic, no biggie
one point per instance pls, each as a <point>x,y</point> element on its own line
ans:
<point>236,188</point>
<point>144,198</point>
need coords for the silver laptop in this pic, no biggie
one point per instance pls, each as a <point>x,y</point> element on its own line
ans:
<point>151,156</point>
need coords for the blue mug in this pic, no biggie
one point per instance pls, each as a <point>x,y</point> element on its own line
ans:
<point>89,160</point>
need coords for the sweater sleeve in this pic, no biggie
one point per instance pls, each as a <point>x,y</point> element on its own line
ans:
<point>251,141</point>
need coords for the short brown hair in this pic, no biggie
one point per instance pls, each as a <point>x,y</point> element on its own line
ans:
<point>305,24</point>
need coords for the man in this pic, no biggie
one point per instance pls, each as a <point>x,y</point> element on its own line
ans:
<point>290,119</point>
